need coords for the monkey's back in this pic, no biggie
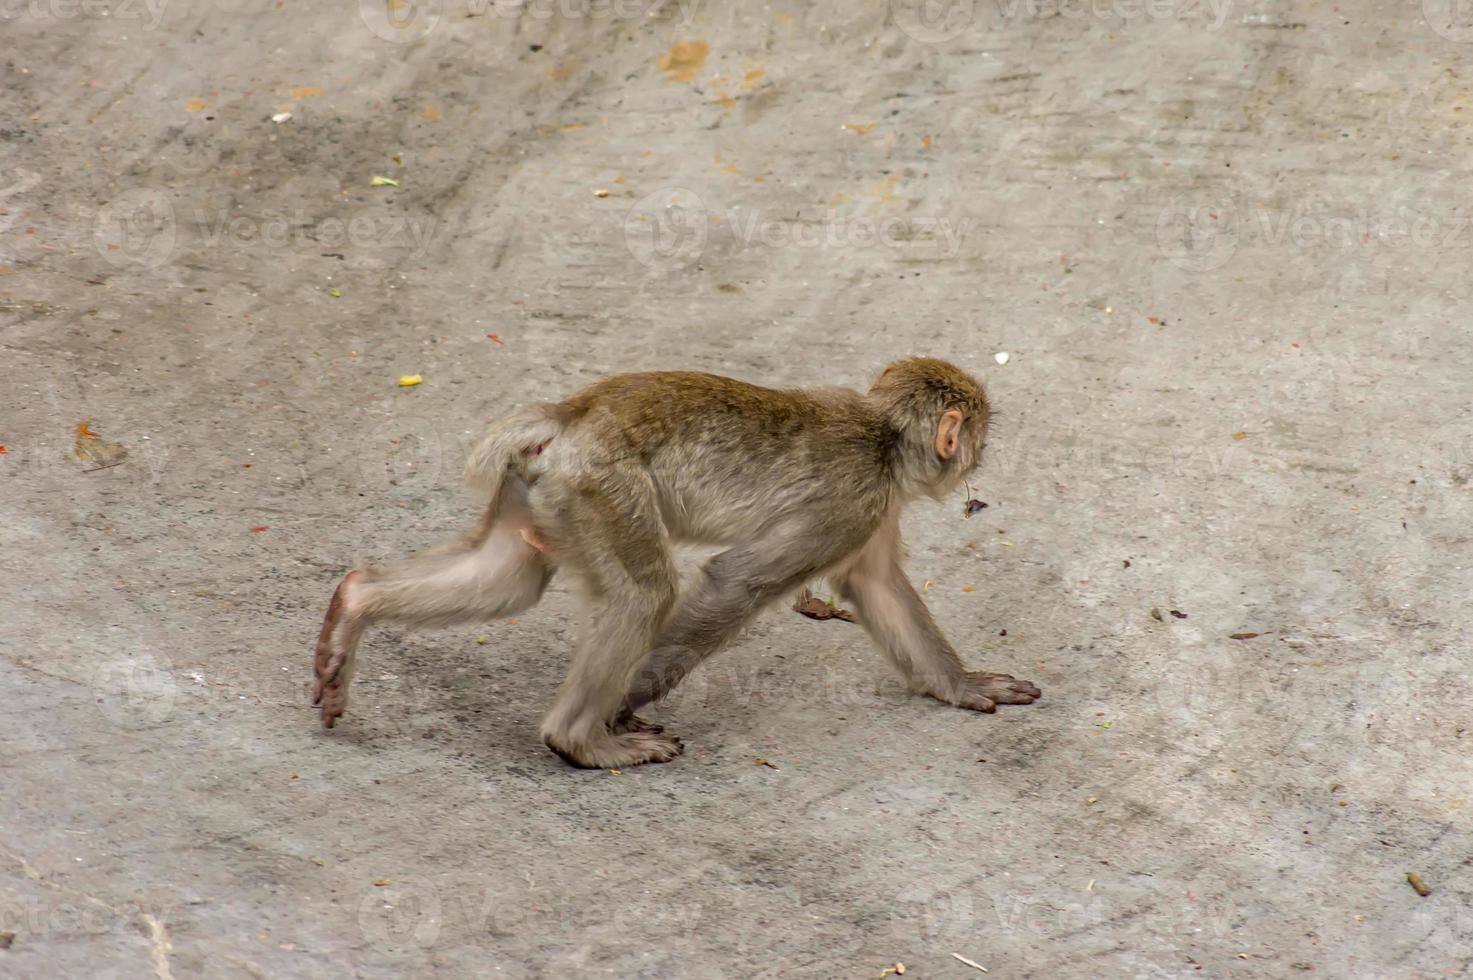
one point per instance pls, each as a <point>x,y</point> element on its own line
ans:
<point>726,456</point>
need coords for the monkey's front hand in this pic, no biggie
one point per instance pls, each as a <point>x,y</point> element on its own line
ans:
<point>982,690</point>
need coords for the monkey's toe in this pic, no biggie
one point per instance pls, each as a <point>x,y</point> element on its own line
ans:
<point>984,691</point>
<point>654,747</point>
<point>1002,688</point>
<point>618,751</point>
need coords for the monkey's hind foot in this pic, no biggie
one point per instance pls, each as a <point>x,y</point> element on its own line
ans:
<point>618,751</point>
<point>332,661</point>
<point>982,690</point>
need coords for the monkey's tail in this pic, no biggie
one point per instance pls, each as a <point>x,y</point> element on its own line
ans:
<point>508,447</point>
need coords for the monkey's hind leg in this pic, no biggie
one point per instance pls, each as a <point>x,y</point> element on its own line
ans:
<point>734,585</point>
<point>611,535</point>
<point>494,571</point>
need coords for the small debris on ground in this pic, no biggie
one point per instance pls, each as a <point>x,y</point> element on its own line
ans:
<point>281,117</point>
<point>1156,614</point>
<point>1243,636</point>
<point>6,939</point>
<point>897,968</point>
<point>759,761</point>
<point>972,963</point>
<point>1178,614</point>
<point>1001,357</point>
<point>92,448</point>
<point>813,607</point>
<point>382,882</point>
<point>410,380</point>
<point>379,181</point>
<point>973,506</point>
<point>600,193</point>
<point>1418,885</point>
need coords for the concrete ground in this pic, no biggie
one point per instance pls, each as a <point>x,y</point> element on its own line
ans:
<point>1224,243</point>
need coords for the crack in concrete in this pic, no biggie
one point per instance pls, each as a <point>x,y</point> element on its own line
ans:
<point>161,948</point>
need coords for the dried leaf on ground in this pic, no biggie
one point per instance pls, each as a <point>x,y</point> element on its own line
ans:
<point>92,448</point>
<point>813,607</point>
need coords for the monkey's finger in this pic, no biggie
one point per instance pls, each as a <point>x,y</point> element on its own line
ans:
<point>332,710</point>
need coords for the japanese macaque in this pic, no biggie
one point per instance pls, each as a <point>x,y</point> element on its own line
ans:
<point>795,484</point>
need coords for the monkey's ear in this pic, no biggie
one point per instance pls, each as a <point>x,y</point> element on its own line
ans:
<point>947,431</point>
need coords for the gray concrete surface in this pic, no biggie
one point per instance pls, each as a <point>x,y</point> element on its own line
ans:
<point>1225,243</point>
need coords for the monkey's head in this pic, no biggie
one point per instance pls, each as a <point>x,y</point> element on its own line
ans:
<point>939,412</point>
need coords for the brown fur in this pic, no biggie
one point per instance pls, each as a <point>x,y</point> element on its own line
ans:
<point>795,484</point>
